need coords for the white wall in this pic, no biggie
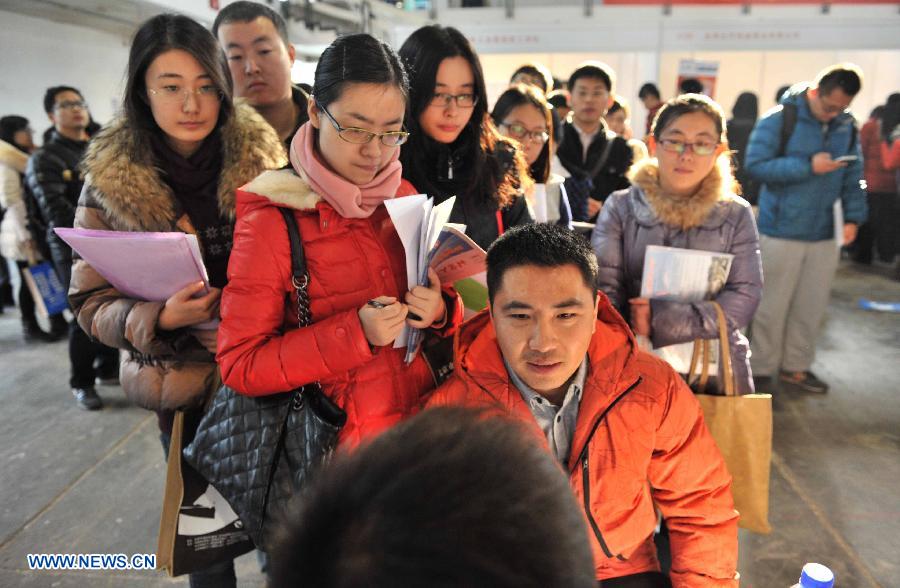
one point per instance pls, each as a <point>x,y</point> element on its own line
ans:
<point>39,53</point>
<point>762,72</point>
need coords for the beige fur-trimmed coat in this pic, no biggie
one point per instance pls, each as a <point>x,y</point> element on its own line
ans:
<point>124,192</point>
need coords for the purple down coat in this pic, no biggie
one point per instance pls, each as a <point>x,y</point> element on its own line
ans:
<point>713,219</point>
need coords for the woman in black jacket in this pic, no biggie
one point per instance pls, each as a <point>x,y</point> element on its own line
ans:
<point>454,149</point>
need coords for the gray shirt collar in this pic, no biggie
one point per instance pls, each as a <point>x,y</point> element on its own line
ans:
<point>557,422</point>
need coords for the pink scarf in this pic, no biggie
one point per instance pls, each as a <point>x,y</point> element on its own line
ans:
<point>348,199</point>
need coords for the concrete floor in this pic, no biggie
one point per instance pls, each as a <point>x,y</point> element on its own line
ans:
<point>81,482</point>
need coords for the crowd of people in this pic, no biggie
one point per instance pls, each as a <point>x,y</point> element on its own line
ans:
<point>214,140</point>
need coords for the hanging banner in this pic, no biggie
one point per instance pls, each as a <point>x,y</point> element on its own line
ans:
<point>704,72</point>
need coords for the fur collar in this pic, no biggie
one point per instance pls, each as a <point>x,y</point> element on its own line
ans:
<point>284,187</point>
<point>128,186</point>
<point>11,156</point>
<point>684,213</point>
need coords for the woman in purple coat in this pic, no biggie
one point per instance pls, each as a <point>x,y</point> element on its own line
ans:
<point>684,197</point>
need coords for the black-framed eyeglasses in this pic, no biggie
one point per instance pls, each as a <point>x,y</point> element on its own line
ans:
<point>72,104</point>
<point>698,147</point>
<point>521,134</point>
<point>360,136</point>
<point>462,100</point>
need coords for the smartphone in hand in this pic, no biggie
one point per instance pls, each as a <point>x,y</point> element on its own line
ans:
<point>846,158</point>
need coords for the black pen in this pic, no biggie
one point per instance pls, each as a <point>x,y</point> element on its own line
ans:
<point>375,304</point>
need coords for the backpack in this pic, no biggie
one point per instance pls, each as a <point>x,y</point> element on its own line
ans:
<point>789,122</point>
<point>579,189</point>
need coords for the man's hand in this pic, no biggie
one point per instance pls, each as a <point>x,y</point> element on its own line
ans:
<point>823,164</point>
<point>594,207</point>
<point>850,230</point>
<point>640,316</point>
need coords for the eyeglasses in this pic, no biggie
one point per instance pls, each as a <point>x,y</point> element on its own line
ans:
<point>72,104</point>
<point>177,95</point>
<point>520,133</point>
<point>831,108</point>
<point>462,100</point>
<point>698,147</point>
<point>359,136</point>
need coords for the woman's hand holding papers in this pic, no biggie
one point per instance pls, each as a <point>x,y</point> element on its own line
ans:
<point>426,303</point>
<point>185,308</point>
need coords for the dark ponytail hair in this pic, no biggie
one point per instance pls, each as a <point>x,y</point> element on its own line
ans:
<point>162,33</point>
<point>488,177</point>
<point>891,117</point>
<point>357,59</point>
<point>521,95</point>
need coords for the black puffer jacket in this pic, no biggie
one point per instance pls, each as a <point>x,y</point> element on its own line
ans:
<point>612,176</point>
<point>54,180</point>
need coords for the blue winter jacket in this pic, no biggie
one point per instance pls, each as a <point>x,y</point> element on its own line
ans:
<point>795,203</point>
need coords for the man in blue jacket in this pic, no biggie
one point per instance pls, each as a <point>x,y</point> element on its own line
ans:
<point>806,154</point>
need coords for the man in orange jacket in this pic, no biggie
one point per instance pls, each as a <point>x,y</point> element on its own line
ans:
<point>552,351</point>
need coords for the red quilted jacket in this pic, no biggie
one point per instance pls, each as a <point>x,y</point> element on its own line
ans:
<point>261,350</point>
<point>639,440</point>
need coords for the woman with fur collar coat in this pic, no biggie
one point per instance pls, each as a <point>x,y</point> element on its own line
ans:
<point>684,197</point>
<point>172,162</point>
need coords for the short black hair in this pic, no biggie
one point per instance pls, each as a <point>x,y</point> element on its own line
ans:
<point>595,70</point>
<point>558,98</point>
<point>846,76</point>
<point>451,497</point>
<point>618,104</point>
<point>244,11</point>
<point>537,70</point>
<point>690,86</point>
<point>543,245</point>
<point>779,94</point>
<point>649,89</point>
<point>51,93</point>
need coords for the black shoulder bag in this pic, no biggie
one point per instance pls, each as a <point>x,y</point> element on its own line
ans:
<point>259,451</point>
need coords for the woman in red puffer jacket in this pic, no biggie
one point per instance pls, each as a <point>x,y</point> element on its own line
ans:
<point>344,165</point>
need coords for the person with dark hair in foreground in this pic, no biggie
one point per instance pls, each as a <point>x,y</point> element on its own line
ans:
<point>553,352</point>
<point>449,498</point>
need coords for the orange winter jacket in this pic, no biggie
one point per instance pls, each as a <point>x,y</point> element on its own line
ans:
<point>640,440</point>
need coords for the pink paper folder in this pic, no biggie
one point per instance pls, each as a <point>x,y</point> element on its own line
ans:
<point>146,266</point>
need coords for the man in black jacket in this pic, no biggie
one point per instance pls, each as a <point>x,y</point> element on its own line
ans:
<point>54,180</point>
<point>595,159</point>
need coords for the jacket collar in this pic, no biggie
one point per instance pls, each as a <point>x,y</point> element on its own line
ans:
<point>612,369</point>
<point>131,190</point>
<point>13,157</point>
<point>652,206</point>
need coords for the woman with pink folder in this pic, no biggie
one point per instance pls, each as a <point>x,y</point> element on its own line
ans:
<point>171,162</point>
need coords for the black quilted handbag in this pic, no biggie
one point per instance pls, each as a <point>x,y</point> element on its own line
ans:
<point>258,452</point>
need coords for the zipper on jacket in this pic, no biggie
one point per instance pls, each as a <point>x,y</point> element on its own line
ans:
<point>586,480</point>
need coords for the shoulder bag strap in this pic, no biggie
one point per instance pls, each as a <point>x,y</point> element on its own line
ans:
<point>299,275</point>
